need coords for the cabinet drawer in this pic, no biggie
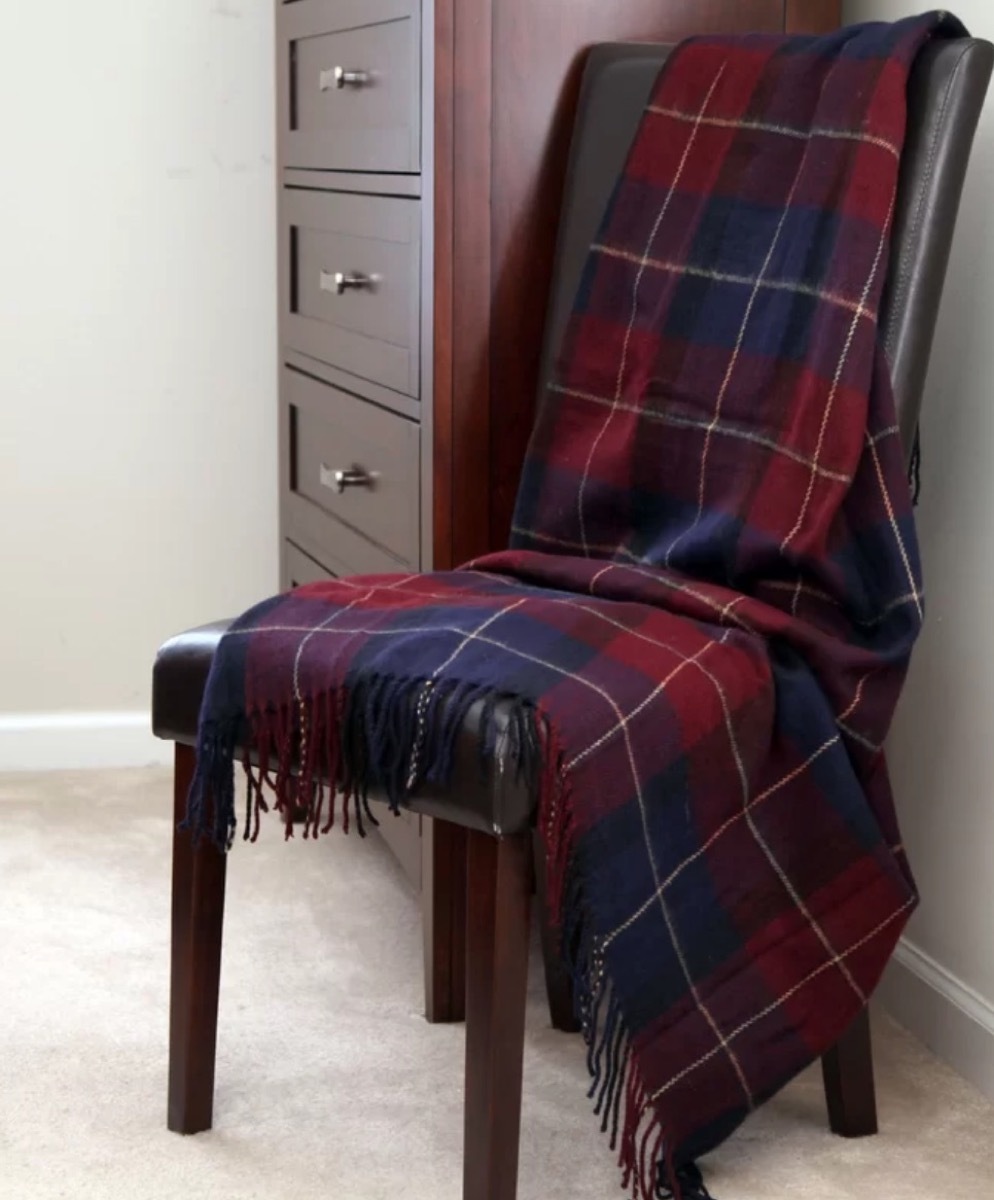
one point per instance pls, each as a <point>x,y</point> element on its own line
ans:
<point>358,464</point>
<point>299,568</point>
<point>352,277</point>
<point>350,85</point>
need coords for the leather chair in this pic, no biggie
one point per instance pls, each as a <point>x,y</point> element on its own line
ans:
<point>946,94</point>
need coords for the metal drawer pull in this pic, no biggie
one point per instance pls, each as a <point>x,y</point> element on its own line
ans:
<point>339,78</point>
<point>341,282</point>
<point>338,481</point>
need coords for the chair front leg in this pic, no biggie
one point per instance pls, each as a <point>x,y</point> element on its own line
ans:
<point>197,919</point>
<point>849,1086</point>
<point>498,901</point>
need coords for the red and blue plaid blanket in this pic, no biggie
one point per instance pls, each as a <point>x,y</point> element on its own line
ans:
<point>706,616</point>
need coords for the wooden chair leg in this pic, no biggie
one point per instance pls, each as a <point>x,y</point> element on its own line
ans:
<point>558,985</point>
<point>849,1086</point>
<point>443,913</point>
<point>197,918</point>
<point>496,979</point>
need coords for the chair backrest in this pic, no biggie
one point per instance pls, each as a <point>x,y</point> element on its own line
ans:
<point>945,96</point>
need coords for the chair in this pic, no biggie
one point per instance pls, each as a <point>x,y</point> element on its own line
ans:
<point>946,93</point>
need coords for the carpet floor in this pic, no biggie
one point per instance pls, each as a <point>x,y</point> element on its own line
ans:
<point>330,1083</point>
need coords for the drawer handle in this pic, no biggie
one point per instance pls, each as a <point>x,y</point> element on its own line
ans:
<point>341,282</point>
<point>355,476</point>
<point>339,79</point>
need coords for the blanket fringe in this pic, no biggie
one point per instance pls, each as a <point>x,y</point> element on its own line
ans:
<point>326,754</point>
<point>628,1115</point>
<point>626,1110</point>
<point>210,805</point>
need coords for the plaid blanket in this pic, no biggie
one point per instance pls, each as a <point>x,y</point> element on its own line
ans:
<point>705,618</point>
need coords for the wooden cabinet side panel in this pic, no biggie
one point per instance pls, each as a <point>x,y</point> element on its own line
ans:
<point>463,103</point>
<point>403,835</point>
<point>812,16</point>
<point>443,184</point>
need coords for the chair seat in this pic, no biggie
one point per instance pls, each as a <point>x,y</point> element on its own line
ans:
<point>487,801</point>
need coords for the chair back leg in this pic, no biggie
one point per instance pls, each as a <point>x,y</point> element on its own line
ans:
<point>849,1086</point>
<point>197,919</point>
<point>497,929</point>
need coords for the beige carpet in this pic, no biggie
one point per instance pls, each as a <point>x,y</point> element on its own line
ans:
<point>330,1084</point>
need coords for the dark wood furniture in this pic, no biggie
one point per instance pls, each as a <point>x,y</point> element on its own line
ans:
<point>421,152</point>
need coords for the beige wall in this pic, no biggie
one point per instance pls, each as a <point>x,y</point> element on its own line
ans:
<point>137,340</point>
<point>942,749</point>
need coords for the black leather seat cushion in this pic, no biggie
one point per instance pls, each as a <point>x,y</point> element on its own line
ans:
<point>484,800</point>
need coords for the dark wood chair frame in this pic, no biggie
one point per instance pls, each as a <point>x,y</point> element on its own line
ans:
<point>486,962</point>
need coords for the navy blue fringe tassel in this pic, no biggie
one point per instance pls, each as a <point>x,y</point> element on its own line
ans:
<point>210,807</point>
<point>599,1012</point>
<point>381,737</point>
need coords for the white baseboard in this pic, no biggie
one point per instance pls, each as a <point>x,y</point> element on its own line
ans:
<point>953,1020</point>
<point>71,741</point>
